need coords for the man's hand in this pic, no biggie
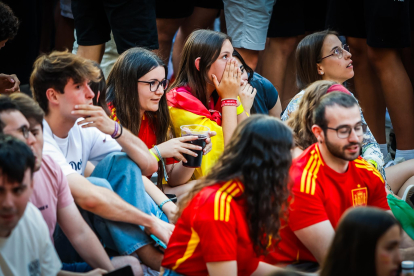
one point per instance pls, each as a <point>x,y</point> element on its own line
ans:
<point>95,116</point>
<point>9,84</point>
<point>160,229</point>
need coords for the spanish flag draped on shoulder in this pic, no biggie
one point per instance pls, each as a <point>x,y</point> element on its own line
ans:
<point>186,109</point>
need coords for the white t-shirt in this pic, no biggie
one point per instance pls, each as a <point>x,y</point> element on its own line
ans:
<point>28,250</point>
<point>82,145</point>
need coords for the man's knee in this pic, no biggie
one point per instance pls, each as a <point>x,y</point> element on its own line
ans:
<point>116,160</point>
<point>167,28</point>
<point>382,57</point>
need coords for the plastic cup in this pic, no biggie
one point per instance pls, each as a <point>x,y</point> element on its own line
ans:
<point>202,133</point>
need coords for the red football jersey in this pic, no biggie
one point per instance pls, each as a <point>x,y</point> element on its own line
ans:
<point>212,228</point>
<point>319,193</point>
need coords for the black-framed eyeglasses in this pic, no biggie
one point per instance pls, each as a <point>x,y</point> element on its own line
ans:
<point>155,84</point>
<point>343,132</point>
<point>25,131</point>
<point>339,52</point>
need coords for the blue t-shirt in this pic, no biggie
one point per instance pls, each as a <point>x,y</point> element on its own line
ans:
<point>266,96</point>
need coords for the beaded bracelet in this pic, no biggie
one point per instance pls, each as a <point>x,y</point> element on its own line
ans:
<point>163,203</point>
<point>163,163</point>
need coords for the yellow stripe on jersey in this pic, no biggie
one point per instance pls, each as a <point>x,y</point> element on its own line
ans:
<point>229,198</point>
<point>310,173</point>
<point>362,164</point>
<point>305,171</point>
<point>223,198</point>
<point>191,247</point>
<point>217,200</point>
<point>224,194</point>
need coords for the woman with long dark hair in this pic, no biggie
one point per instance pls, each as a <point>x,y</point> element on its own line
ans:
<point>136,98</point>
<point>231,215</point>
<point>205,91</point>
<point>322,56</point>
<point>366,243</point>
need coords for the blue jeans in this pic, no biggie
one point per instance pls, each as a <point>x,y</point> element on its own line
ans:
<point>169,272</point>
<point>118,173</point>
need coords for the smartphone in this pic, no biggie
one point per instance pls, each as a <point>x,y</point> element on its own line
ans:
<point>123,271</point>
<point>172,197</point>
<point>158,241</point>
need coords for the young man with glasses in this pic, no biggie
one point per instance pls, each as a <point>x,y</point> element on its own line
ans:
<point>76,132</point>
<point>328,178</point>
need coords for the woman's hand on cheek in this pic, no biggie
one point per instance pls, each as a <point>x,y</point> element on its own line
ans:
<point>209,144</point>
<point>247,94</point>
<point>229,86</point>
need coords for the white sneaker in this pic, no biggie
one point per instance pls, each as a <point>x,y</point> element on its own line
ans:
<point>407,195</point>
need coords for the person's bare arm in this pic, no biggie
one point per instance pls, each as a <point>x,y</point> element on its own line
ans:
<point>317,238</point>
<point>169,208</point>
<point>95,272</point>
<point>228,88</point>
<point>228,268</point>
<point>179,174</point>
<point>134,147</point>
<point>89,169</point>
<point>83,238</point>
<point>277,109</point>
<point>107,204</point>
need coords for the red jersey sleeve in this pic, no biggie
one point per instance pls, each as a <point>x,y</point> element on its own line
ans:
<point>379,195</point>
<point>218,238</point>
<point>306,206</point>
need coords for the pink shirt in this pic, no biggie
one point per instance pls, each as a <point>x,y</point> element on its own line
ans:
<point>51,191</point>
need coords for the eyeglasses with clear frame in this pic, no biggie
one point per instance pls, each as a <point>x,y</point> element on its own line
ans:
<point>343,132</point>
<point>155,84</point>
<point>24,130</point>
<point>339,51</point>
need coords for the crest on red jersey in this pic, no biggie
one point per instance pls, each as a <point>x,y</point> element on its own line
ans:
<point>360,196</point>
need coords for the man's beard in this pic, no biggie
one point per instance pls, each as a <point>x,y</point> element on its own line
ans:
<point>339,151</point>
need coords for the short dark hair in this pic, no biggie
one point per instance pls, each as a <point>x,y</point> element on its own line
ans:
<point>6,104</point>
<point>15,158</point>
<point>9,24</point>
<point>28,107</point>
<point>54,71</point>
<point>331,99</point>
<point>308,54</point>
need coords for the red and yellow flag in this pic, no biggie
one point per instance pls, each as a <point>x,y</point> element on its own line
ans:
<point>185,109</point>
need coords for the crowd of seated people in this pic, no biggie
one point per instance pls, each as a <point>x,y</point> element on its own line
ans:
<point>307,194</point>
